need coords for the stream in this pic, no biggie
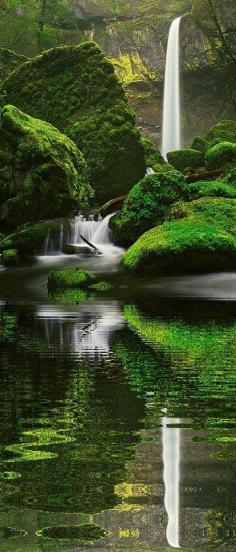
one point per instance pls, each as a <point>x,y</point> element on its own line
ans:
<point>118,411</point>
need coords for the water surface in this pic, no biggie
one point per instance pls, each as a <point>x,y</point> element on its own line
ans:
<point>118,415</point>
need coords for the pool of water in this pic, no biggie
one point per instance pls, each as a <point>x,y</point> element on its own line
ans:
<point>117,415</point>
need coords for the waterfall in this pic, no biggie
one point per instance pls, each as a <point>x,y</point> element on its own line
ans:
<point>94,230</point>
<point>171,139</point>
<point>171,461</point>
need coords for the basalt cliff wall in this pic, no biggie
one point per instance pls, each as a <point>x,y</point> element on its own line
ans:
<point>134,33</point>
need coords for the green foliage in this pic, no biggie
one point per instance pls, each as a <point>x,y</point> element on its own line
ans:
<point>186,159</point>
<point>101,286</point>
<point>215,188</point>
<point>75,89</point>
<point>198,237</point>
<point>200,144</point>
<point>220,155</point>
<point>152,153</point>
<point>29,26</point>
<point>9,61</point>
<point>224,131</point>
<point>29,239</point>
<point>70,278</point>
<point>10,257</point>
<point>147,204</point>
<point>42,172</point>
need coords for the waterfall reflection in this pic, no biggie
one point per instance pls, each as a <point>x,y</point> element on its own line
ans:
<point>171,474</point>
<point>86,331</point>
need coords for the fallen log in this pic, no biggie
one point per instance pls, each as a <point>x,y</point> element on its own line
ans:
<point>91,245</point>
<point>112,206</point>
<point>204,175</point>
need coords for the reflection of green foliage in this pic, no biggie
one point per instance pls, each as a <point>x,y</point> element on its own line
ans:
<point>101,286</point>
<point>8,326</point>
<point>71,296</point>
<point>183,364</point>
<point>87,532</point>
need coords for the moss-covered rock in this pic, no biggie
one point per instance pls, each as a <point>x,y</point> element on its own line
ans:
<point>186,159</point>
<point>30,239</point>
<point>199,237</point>
<point>76,89</point>
<point>221,154</point>
<point>76,278</point>
<point>200,144</point>
<point>10,257</point>
<point>215,188</point>
<point>152,153</point>
<point>70,278</point>
<point>147,204</point>
<point>9,61</point>
<point>42,172</point>
<point>224,131</point>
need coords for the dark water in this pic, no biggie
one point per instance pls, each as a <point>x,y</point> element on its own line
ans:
<point>118,417</point>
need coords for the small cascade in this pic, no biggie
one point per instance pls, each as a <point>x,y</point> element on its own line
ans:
<point>96,231</point>
<point>171,139</point>
<point>149,171</point>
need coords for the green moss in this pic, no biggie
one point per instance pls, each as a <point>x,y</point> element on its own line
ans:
<point>215,188</point>
<point>200,144</point>
<point>29,239</point>
<point>147,204</point>
<point>87,532</point>
<point>70,296</point>
<point>10,257</point>
<point>220,155</point>
<point>199,237</point>
<point>101,286</point>
<point>43,174</point>
<point>76,89</point>
<point>152,153</point>
<point>70,278</point>
<point>225,131</point>
<point>9,61</point>
<point>186,159</point>
<point>166,168</point>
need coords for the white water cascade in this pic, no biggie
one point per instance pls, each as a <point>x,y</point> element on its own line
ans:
<point>171,135</point>
<point>171,461</point>
<point>96,231</point>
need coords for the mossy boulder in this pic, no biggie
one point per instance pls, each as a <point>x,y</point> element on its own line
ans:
<point>198,237</point>
<point>200,144</point>
<point>76,278</point>
<point>215,188</point>
<point>147,205</point>
<point>224,131</point>
<point>30,239</point>
<point>70,278</point>
<point>221,154</point>
<point>42,172</point>
<point>185,159</point>
<point>10,257</point>
<point>76,89</point>
<point>152,153</point>
<point>9,61</point>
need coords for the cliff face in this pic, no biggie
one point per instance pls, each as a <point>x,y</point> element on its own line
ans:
<point>134,35</point>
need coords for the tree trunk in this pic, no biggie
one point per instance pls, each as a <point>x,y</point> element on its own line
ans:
<point>42,13</point>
